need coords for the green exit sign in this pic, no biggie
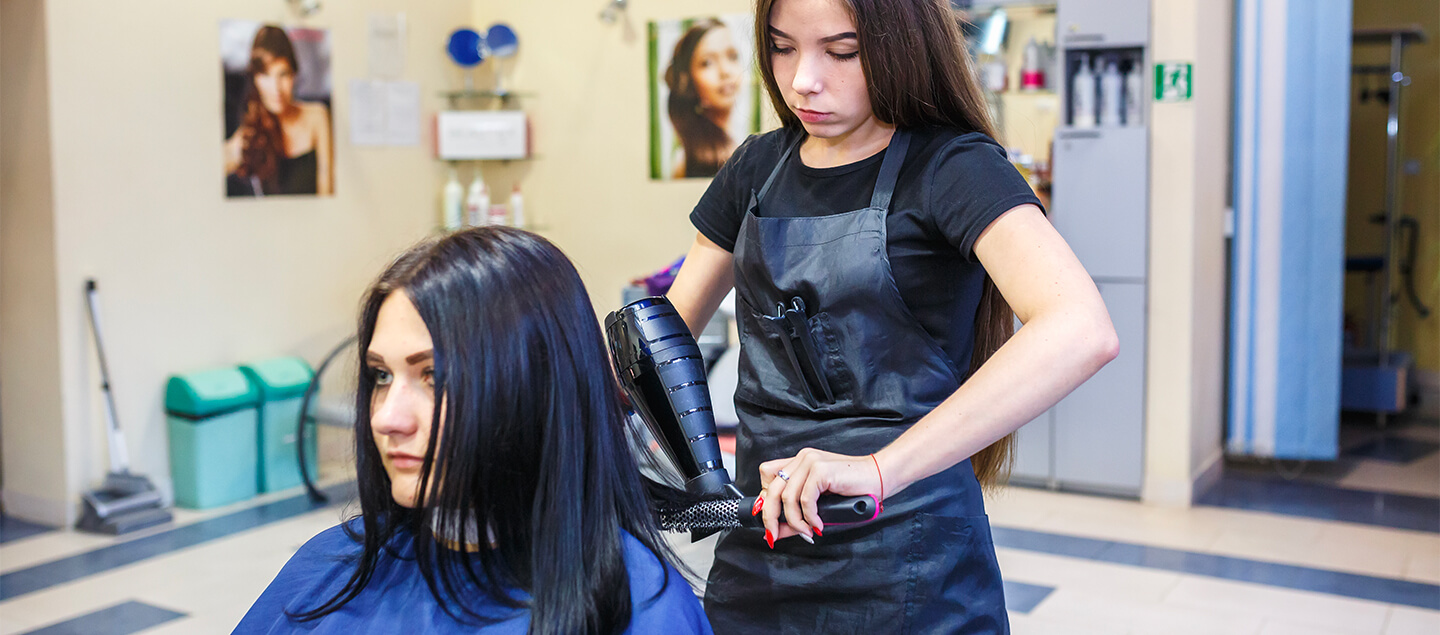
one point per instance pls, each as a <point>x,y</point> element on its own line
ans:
<point>1172,81</point>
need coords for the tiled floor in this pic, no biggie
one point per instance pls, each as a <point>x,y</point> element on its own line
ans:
<point>1073,564</point>
<point>1388,477</point>
<point>1402,458</point>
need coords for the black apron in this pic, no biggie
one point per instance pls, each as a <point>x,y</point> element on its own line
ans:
<point>832,359</point>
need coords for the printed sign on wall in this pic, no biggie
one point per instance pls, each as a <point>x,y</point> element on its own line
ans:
<point>1172,81</point>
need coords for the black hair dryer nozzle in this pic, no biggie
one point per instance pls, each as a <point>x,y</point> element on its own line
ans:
<point>663,374</point>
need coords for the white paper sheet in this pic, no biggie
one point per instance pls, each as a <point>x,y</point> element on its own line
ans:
<point>387,45</point>
<point>384,113</point>
<point>402,113</point>
<point>368,104</point>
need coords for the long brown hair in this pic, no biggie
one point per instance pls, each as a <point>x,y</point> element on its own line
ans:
<point>706,144</point>
<point>264,144</point>
<point>919,74</point>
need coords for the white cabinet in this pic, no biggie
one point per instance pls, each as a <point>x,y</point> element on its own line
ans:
<point>1094,439</point>
<point>1101,198</point>
<point>1100,428</point>
<point>1086,23</point>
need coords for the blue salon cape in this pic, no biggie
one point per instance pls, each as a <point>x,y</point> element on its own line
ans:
<point>397,599</point>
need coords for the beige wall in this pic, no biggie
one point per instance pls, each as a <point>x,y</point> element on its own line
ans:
<point>1189,164</point>
<point>1419,193</point>
<point>188,279</point>
<point>589,190</point>
<point>30,406</point>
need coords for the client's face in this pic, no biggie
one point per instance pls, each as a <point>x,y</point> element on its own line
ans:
<point>402,359</point>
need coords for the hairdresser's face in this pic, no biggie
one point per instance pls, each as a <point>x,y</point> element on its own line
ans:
<point>816,57</point>
<point>276,84</point>
<point>401,357</point>
<point>715,68</point>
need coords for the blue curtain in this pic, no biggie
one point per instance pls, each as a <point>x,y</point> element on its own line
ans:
<point>1292,83</point>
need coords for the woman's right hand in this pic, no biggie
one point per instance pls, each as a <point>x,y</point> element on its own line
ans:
<point>809,474</point>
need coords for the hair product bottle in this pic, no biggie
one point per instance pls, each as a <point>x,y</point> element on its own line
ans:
<point>1082,96</point>
<point>1134,98</point>
<point>517,207</point>
<point>452,207</point>
<point>1111,89</point>
<point>477,202</point>
<point>497,214</point>
<point>1032,72</point>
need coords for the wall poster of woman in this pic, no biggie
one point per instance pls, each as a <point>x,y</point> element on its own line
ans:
<point>277,110</point>
<point>704,99</point>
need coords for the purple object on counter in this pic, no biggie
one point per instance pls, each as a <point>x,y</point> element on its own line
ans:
<point>658,283</point>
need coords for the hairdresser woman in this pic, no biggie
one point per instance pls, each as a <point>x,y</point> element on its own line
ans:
<point>877,244</point>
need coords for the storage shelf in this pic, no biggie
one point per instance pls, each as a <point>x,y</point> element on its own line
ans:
<point>532,157</point>
<point>484,94</point>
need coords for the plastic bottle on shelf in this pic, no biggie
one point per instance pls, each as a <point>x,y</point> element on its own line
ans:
<point>497,215</point>
<point>996,78</point>
<point>1048,62</point>
<point>1082,96</point>
<point>1134,98</point>
<point>1032,71</point>
<point>1112,87</point>
<point>477,202</point>
<point>452,206</point>
<point>517,207</point>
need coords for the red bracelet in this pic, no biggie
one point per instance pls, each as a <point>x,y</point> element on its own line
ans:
<point>881,500</point>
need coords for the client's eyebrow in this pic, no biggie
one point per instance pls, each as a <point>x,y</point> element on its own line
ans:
<point>372,356</point>
<point>848,35</point>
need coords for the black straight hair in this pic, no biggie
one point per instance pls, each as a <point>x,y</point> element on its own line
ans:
<point>531,452</point>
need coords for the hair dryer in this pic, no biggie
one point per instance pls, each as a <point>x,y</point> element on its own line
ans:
<point>663,374</point>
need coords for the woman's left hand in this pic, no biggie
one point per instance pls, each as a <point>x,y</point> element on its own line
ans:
<point>811,473</point>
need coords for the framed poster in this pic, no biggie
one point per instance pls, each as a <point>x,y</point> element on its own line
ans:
<point>704,93</point>
<point>278,130</point>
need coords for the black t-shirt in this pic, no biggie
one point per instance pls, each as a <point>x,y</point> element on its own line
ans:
<point>951,187</point>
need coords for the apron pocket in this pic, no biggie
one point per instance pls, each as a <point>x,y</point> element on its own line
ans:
<point>768,376</point>
<point>832,359</point>
<point>955,584</point>
<point>808,354</point>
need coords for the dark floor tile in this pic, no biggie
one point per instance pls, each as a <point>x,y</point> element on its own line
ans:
<point>1394,450</point>
<point>1326,502</point>
<point>121,619</point>
<point>1387,590</point>
<point>12,528</point>
<point>1023,598</point>
<point>43,576</point>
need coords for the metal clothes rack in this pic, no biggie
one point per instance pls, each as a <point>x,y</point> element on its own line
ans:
<point>1396,38</point>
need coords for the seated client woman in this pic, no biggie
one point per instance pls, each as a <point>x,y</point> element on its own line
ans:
<point>496,487</point>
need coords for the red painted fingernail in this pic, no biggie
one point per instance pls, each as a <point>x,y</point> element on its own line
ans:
<point>759,505</point>
<point>817,531</point>
<point>770,538</point>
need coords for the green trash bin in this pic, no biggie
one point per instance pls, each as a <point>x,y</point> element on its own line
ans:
<point>212,419</point>
<point>282,382</point>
